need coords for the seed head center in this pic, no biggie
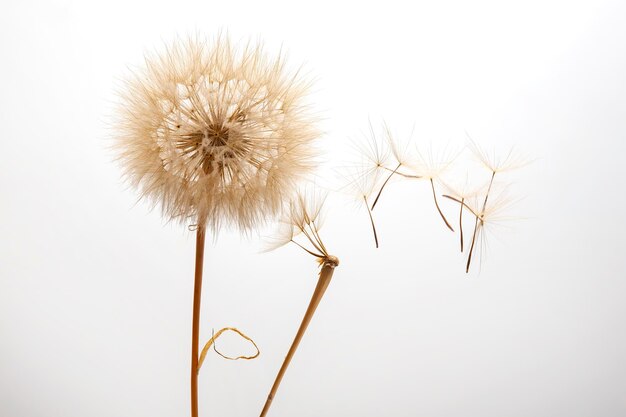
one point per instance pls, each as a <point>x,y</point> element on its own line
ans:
<point>214,138</point>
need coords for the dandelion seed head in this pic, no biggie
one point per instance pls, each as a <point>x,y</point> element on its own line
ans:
<point>214,133</point>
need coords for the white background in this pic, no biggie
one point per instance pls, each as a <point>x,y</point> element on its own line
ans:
<point>95,290</point>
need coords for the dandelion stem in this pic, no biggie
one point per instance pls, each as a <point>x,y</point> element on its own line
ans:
<point>195,332</point>
<point>324,279</point>
<point>371,221</point>
<point>383,186</point>
<point>432,184</point>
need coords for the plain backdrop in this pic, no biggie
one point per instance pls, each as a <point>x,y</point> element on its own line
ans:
<point>96,289</point>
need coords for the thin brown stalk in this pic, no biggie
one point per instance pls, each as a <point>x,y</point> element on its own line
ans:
<point>461,222</point>
<point>371,221</point>
<point>384,184</point>
<point>493,174</point>
<point>195,332</point>
<point>479,219</point>
<point>324,279</point>
<point>469,256</point>
<point>403,174</point>
<point>461,202</point>
<point>432,185</point>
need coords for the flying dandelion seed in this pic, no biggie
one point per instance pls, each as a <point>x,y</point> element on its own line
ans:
<point>386,154</point>
<point>381,157</point>
<point>488,217</point>
<point>496,165</point>
<point>399,151</point>
<point>362,187</point>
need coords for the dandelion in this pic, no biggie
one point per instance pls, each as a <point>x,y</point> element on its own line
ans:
<point>304,219</point>
<point>214,134</point>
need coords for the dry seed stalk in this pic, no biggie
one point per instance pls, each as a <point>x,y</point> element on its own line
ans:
<point>371,220</point>
<point>432,185</point>
<point>305,222</point>
<point>479,222</point>
<point>461,222</point>
<point>328,268</point>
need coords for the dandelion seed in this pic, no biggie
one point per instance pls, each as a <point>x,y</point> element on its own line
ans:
<point>495,164</point>
<point>488,213</point>
<point>383,157</point>
<point>399,152</point>
<point>361,186</point>
<point>384,184</point>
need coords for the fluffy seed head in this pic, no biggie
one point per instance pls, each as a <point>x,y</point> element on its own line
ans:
<point>214,133</point>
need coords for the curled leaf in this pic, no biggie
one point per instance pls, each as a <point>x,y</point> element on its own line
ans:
<point>212,340</point>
